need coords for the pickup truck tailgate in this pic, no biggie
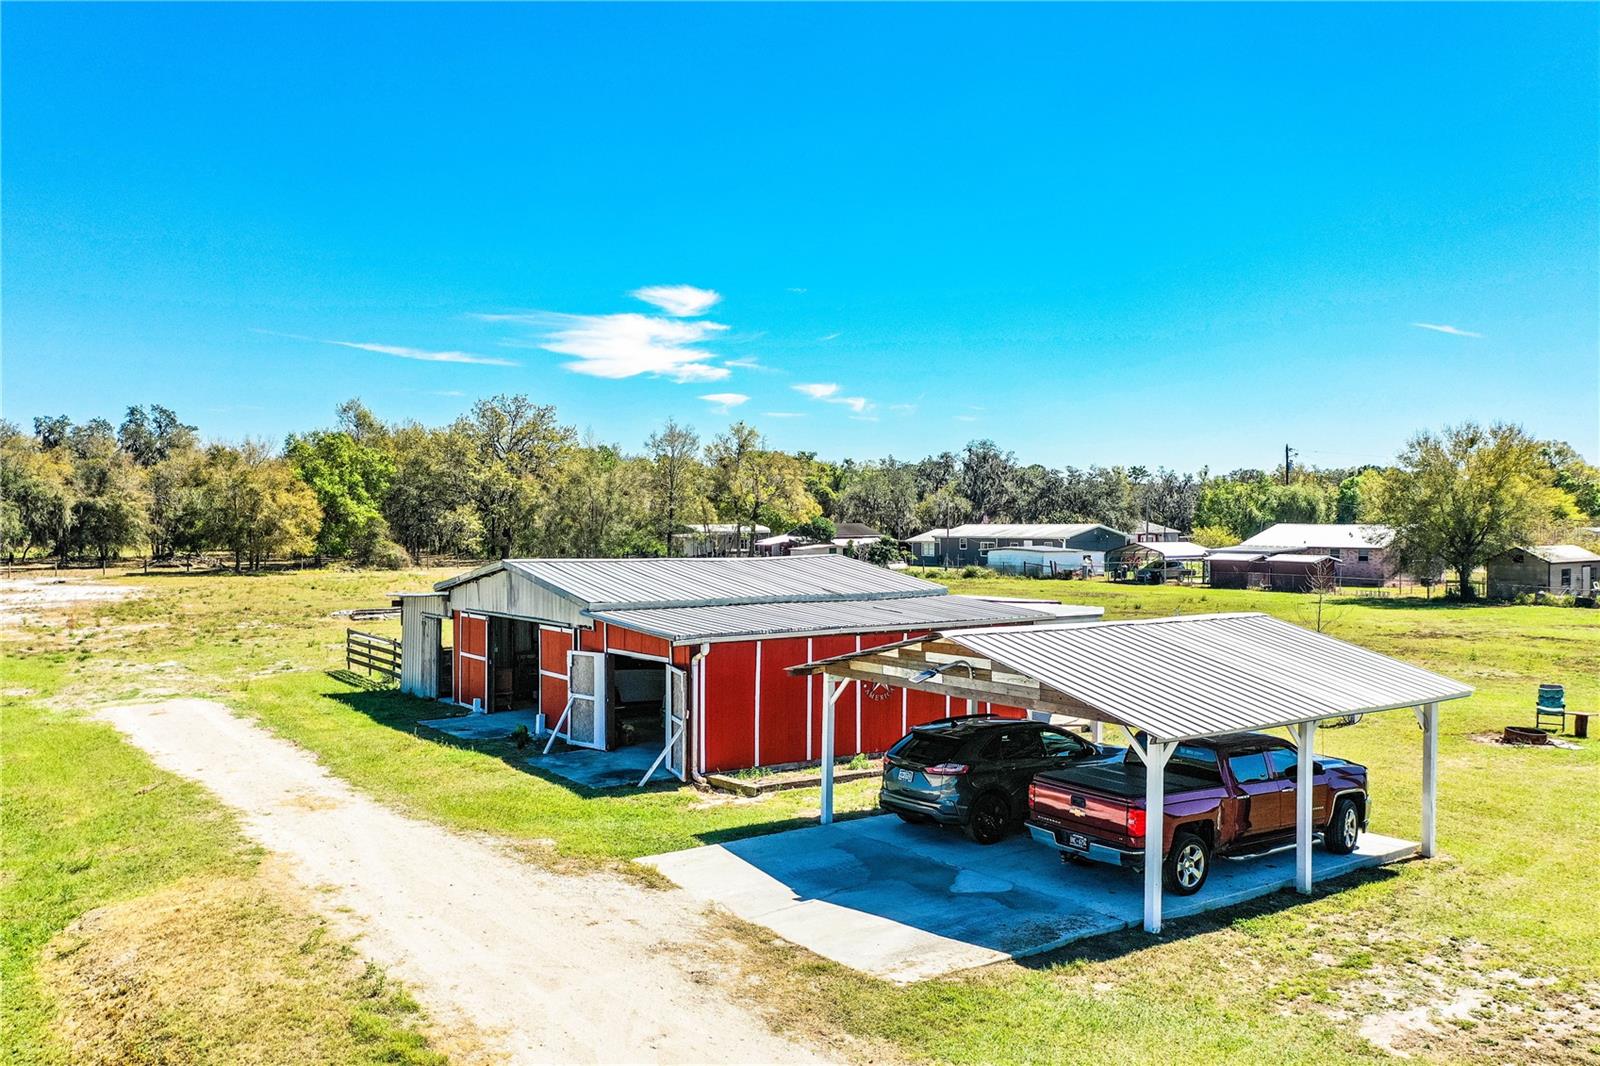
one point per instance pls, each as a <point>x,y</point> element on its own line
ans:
<point>1066,807</point>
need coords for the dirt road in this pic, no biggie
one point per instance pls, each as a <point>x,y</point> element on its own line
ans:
<point>545,967</point>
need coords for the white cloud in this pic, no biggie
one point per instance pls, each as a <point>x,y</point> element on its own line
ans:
<point>782,414</point>
<point>725,401</point>
<point>796,289</point>
<point>831,336</point>
<point>399,351</point>
<point>1454,331</point>
<point>679,301</point>
<point>624,345</point>
<point>423,355</point>
<point>966,418</point>
<point>747,362</point>
<point>828,392</point>
<point>903,408</point>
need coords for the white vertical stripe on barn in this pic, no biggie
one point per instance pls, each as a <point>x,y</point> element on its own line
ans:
<point>858,701</point>
<point>758,703</point>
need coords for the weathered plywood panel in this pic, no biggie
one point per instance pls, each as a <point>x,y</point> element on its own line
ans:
<point>419,644</point>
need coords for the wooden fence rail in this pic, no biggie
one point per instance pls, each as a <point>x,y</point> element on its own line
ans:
<point>374,654</point>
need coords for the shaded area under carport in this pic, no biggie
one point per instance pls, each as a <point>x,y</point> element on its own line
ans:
<point>907,903</point>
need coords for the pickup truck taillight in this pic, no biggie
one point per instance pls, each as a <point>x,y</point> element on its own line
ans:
<point>1033,795</point>
<point>1135,822</point>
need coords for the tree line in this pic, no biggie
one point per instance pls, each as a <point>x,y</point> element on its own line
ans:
<point>508,478</point>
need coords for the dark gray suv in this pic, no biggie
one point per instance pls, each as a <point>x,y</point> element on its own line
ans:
<point>974,772</point>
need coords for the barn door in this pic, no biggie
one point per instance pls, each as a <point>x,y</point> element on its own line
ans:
<point>472,659</point>
<point>677,707</point>
<point>586,707</point>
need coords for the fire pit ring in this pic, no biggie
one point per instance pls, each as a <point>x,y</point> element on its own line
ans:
<point>1521,734</point>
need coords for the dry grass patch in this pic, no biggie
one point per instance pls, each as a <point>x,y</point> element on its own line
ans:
<point>222,969</point>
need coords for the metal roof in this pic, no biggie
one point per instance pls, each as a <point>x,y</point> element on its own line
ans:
<point>1291,535</point>
<point>1180,550</point>
<point>743,621</point>
<point>1200,675</point>
<point>1046,531</point>
<point>1561,553</point>
<point>616,584</point>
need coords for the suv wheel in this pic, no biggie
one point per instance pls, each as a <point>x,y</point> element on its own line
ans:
<point>989,820</point>
<point>1344,829</point>
<point>1188,864</point>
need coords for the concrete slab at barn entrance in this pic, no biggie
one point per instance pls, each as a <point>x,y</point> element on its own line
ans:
<point>910,902</point>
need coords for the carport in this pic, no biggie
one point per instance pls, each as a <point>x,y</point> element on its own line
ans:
<point>1168,680</point>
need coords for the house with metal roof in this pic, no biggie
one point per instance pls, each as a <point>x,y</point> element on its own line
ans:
<point>1553,569</point>
<point>970,543</point>
<point>690,656</point>
<point>1360,551</point>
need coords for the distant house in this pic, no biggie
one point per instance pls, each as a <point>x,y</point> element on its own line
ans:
<point>715,538</point>
<point>855,534</point>
<point>1155,533</point>
<point>1564,569</point>
<point>970,544</point>
<point>1361,552</point>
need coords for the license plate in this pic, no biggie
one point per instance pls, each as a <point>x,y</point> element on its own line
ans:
<point>1078,840</point>
<point>904,775</point>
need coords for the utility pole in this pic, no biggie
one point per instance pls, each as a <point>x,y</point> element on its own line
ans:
<point>1287,463</point>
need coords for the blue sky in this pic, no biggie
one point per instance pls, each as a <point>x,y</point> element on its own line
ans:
<point>1174,236</point>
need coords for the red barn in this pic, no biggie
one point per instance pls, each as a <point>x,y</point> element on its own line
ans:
<point>688,655</point>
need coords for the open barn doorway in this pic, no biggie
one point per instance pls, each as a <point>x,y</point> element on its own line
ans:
<point>513,665</point>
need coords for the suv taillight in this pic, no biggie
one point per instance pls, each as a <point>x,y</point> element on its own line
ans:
<point>1135,822</point>
<point>1033,795</point>
<point>946,769</point>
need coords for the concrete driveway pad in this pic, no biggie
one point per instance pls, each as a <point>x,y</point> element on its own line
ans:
<point>909,902</point>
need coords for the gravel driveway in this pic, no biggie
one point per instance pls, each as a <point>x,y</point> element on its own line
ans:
<point>544,967</point>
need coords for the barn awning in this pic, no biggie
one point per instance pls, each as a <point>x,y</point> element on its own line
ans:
<point>746,621</point>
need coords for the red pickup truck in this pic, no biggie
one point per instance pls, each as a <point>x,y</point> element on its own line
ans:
<point>1228,796</point>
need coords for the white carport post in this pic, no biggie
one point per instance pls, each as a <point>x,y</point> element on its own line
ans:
<point>1428,714</point>
<point>830,694</point>
<point>1155,825</point>
<point>1304,793</point>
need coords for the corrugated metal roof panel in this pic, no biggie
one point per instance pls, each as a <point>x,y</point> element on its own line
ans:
<point>1194,676</point>
<point>1024,531</point>
<point>740,621</point>
<point>1562,553</point>
<point>615,584</point>
<point>1290,535</point>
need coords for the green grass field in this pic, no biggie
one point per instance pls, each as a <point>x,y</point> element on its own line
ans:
<point>1492,946</point>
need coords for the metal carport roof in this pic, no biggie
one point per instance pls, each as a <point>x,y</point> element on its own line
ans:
<point>1200,675</point>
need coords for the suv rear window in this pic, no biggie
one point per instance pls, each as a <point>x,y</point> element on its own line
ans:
<point>927,749</point>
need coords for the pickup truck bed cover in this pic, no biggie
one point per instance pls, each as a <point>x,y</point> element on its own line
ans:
<point>1125,778</point>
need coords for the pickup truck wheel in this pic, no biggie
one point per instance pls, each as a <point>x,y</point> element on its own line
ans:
<point>1188,864</point>
<point>989,820</point>
<point>1344,829</point>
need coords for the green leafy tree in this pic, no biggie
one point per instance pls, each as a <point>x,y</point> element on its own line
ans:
<point>676,480</point>
<point>108,512</point>
<point>257,505</point>
<point>1465,494</point>
<point>883,496</point>
<point>350,480</point>
<point>149,437</point>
